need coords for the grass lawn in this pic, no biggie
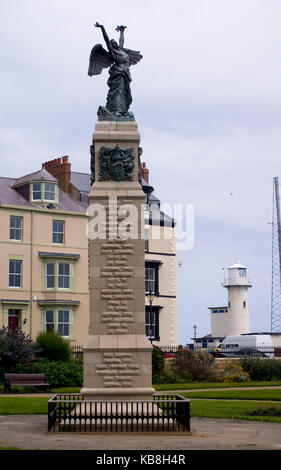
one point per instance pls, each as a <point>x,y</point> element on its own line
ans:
<point>161,387</point>
<point>272,395</point>
<point>217,403</point>
<point>199,408</point>
<point>195,385</point>
<point>230,410</point>
<point>23,406</point>
<point>216,408</point>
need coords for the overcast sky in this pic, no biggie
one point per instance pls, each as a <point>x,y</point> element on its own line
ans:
<point>206,97</point>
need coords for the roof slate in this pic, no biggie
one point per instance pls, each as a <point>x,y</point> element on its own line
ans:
<point>37,175</point>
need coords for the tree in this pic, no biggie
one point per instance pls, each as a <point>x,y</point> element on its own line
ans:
<point>15,348</point>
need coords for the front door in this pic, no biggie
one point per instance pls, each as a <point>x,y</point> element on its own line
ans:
<point>13,319</point>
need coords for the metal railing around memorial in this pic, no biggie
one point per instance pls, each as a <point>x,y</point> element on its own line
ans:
<point>162,414</point>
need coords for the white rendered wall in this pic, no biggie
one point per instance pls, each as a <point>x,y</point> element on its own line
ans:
<point>238,315</point>
<point>219,324</point>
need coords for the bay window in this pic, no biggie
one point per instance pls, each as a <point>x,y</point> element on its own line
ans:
<point>59,320</point>
<point>58,275</point>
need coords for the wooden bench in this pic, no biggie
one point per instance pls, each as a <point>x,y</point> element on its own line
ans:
<point>25,380</point>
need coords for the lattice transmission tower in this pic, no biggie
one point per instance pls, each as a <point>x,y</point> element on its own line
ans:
<point>276,261</point>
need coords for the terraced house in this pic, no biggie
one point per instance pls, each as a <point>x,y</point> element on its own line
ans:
<point>44,257</point>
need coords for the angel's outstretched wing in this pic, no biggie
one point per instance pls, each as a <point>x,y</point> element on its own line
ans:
<point>99,60</point>
<point>134,56</point>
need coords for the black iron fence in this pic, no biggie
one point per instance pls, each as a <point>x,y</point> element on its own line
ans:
<point>230,351</point>
<point>162,414</point>
<point>76,352</point>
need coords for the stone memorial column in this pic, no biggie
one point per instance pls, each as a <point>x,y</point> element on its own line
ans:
<point>117,353</point>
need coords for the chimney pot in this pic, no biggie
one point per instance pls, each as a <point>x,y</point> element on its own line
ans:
<point>60,168</point>
<point>145,172</point>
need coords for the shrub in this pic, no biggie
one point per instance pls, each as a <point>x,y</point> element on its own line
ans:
<point>58,373</point>
<point>161,374</point>
<point>15,348</point>
<point>201,365</point>
<point>54,347</point>
<point>234,373</point>
<point>168,377</point>
<point>262,369</point>
<point>271,411</point>
<point>158,362</point>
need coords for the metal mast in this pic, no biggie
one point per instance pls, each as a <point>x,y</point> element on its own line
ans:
<point>276,261</point>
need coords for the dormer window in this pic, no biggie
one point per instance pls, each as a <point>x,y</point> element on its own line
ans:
<point>36,192</point>
<point>49,192</point>
<point>44,192</point>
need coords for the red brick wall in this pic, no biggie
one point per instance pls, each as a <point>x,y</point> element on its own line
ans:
<point>145,172</point>
<point>60,168</point>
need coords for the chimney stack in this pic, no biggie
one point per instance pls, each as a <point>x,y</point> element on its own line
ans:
<point>60,168</point>
<point>145,172</point>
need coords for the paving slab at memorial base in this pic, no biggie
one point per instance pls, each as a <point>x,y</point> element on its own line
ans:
<point>30,432</point>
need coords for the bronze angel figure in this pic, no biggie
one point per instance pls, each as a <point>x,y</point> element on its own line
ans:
<point>119,59</point>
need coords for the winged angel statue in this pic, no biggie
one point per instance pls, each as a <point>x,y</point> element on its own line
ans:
<point>119,60</point>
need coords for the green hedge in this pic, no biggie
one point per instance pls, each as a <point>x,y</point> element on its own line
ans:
<point>59,374</point>
<point>262,369</point>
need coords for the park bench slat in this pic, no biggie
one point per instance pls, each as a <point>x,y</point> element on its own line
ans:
<point>23,380</point>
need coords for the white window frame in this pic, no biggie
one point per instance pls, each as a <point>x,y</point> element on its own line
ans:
<point>56,322</point>
<point>150,281</point>
<point>63,276</point>
<point>56,275</point>
<point>53,275</point>
<point>45,185</point>
<point>14,273</point>
<point>37,191</point>
<point>43,191</point>
<point>56,233</point>
<point>64,323</point>
<point>16,229</point>
<point>49,323</point>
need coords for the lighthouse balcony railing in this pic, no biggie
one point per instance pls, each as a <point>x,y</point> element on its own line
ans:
<point>237,281</point>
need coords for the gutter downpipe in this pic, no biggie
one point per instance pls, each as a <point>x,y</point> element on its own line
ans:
<point>31,275</point>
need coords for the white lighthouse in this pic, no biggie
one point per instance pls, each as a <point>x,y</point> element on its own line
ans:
<point>233,319</point>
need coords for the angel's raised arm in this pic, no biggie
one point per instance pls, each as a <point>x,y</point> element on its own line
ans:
<point>121,37</point>
<point>105,36</point>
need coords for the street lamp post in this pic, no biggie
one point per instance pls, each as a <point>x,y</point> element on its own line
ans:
<point>195,328</point>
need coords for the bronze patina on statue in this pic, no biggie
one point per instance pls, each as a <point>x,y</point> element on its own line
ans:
<point>119,60</point>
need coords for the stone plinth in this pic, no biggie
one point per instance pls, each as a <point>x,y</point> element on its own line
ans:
<point>117,353</point>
